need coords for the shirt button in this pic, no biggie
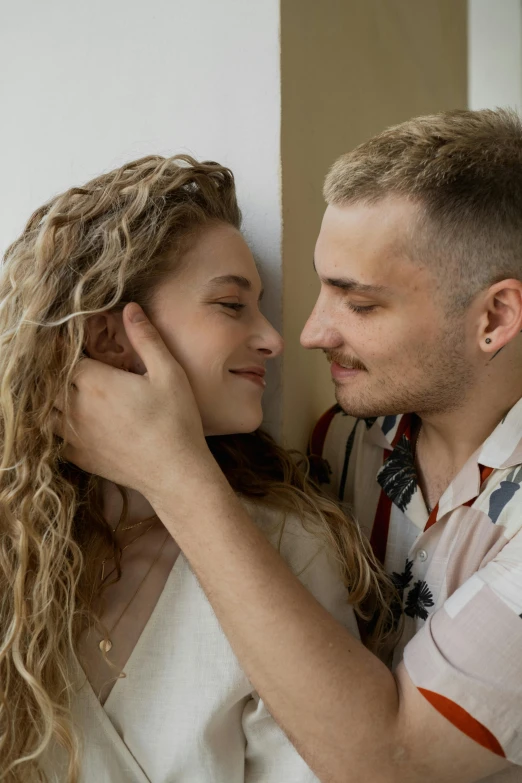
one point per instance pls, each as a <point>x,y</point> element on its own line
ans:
<point>422,555</point>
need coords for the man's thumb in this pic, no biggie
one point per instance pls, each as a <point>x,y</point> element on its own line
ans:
<point>134,313</point>
<point>146,340</point>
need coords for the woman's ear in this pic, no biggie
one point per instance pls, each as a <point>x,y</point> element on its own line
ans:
<point>107,341</point>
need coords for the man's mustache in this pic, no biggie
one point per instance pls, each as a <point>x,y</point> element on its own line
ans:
<point>344,361</point>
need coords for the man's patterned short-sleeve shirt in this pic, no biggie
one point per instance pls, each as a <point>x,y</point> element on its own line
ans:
<point>458,567</point>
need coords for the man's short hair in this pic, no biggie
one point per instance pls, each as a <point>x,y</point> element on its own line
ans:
<point>464,170</point>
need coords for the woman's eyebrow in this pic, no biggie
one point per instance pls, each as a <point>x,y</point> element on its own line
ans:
<point>238,280</point>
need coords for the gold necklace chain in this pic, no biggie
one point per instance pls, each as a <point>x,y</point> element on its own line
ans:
<point>137,524</point>
<point>144,532</point>
<point>105,645</point>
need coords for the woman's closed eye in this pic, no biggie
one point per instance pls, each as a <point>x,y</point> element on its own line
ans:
<point>236,306</point>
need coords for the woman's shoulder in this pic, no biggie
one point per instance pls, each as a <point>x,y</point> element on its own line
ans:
<point>292,535</point>
<point>301,545</point>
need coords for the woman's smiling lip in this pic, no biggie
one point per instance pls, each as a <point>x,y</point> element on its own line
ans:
<point>256,374</point>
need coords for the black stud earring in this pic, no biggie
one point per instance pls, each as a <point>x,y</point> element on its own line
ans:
<point>488,340</point>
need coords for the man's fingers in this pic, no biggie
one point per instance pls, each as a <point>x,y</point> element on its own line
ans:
<point>146,341</point>
<point>63,430</point>
<point>87,373</point>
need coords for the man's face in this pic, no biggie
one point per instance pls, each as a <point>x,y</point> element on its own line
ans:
<point>380,317</point>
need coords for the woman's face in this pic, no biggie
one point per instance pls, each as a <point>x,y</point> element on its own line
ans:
<point>208,315</point>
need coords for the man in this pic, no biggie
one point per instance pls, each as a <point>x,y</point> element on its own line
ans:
<point>420,311</point>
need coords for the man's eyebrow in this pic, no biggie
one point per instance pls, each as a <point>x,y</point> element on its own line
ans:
<point>238,280</point>
<point>349,284</point>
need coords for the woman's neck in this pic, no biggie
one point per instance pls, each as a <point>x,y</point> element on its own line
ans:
<point>139,509</point>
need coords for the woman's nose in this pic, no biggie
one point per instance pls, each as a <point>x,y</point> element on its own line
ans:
<point>269,342</point>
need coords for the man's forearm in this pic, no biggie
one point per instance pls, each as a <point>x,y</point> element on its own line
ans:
<point>328,692</point>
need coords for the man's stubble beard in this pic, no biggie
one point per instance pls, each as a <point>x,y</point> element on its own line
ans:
<point>441,385</point>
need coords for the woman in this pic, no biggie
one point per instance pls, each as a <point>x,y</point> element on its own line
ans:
<point>112,664</point>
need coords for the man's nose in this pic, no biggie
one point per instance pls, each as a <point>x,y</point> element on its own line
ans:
<point>318,332</point>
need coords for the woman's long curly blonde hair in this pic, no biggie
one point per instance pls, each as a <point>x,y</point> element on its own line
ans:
<point>87,251</point>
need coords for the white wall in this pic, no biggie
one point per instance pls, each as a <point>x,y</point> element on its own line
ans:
<point>86,86</point>
<point>495,53</point>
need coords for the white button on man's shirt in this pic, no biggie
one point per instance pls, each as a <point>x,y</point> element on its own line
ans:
<point>422,555</point>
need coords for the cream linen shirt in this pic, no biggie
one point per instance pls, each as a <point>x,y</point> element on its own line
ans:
<point>186,712</point>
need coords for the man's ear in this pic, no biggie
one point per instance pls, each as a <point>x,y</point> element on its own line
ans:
<point>501,320</point>
<point>107,341</point>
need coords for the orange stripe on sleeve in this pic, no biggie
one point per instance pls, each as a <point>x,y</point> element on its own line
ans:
<point>463,721</point>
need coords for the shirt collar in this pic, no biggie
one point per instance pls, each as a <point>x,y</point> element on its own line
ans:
<point>384,430</point>
<point>503,448</point>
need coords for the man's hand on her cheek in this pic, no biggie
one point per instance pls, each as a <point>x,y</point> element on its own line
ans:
<point>133,429</point>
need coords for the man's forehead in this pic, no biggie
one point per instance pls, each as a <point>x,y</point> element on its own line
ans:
<point>383,222</point>
<point>370,244</point>
<point>366,242</point>
<point>390,208</point>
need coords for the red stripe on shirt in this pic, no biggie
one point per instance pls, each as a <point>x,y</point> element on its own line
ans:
<point>432,518</point>
<point>320,431</point>
<point>463,721</point>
